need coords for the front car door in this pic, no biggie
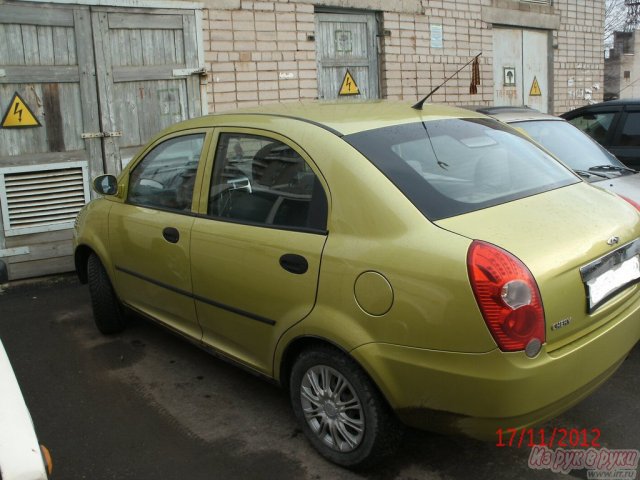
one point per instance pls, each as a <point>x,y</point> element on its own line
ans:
<point>257,245</point>
<point>150,232</point>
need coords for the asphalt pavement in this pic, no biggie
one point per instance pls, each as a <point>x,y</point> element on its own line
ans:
<point>146,404</point>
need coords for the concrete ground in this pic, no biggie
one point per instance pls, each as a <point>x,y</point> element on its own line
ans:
<point>148,405</point>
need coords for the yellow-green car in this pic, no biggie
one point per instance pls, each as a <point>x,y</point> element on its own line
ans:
<point>382,263</point>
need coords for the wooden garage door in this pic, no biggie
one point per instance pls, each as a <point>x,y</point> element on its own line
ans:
<point>99,82</point>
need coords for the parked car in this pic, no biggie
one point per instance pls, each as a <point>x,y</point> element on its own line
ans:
<point>614,124</point>
<point>380,262</point>
<point>21,456</point>
<point>579,151</point>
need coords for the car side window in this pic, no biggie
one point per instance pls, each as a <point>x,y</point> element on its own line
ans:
<point>260,180</point>
<point>166,176</point>
<point>630,136</point>
<point>596,125</point>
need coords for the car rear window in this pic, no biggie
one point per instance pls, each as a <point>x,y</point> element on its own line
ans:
<point>455,166</point>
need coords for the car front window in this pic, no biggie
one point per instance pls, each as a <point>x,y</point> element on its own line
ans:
<point>569,144</point>
<point>454,166</point>
<point>166,175</point>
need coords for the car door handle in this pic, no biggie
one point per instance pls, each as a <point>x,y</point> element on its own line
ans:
<point>171,235</point>
<point>294,263</point>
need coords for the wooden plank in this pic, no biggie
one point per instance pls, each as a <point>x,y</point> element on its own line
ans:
<point>39,268</point>
<point>36,15</point>
<point>71,103</point>
<point>61,46</point>
<point>41,74</point>
<point>53,118</point>
<point>45,45</point>
<point>42,251</point>
<point>145,73</point>
<point>30,45</point>
<point>136,47</point>
<point>88,91</point>
<point>41,158</point>
<point>169,47</point>
<point>14,53</point>
<point>145,21</point>
<point>191,59</point>
<point>128,112</point>
<point>104,78</point>
<point>35,239</point>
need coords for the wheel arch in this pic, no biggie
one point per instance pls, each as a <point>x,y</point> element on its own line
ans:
<point>80,257</point>
<point>306,342</point>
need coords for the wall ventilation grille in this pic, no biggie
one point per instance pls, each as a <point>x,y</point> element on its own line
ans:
<point>42,198</point>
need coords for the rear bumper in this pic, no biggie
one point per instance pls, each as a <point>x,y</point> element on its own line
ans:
<point>475,394</point>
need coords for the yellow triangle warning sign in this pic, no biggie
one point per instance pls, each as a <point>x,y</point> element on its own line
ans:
<point>19,115</point>
<point>535,88</point>
<point>349,86</point>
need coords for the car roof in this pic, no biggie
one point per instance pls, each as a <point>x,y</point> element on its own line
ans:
<point>514,114</point>
<point>342,118</point>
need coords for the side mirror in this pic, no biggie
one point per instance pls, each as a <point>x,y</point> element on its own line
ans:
<point>105,185</point>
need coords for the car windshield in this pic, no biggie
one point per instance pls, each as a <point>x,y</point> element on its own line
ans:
<point>569,144</point>
<point>454,166</point>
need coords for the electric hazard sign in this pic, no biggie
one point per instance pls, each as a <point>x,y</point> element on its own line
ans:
<point>19,115</point>
<point>535,88</point>
<point>349,86</point>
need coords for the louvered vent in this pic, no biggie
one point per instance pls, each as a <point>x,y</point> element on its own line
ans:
<point>42,198</point>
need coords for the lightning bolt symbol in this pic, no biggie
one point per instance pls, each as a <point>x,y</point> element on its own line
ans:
<point>17,110</point>
<point>348,84</point>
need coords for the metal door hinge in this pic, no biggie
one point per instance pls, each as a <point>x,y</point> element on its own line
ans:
<point>101,134</point>
<point>185,72</point>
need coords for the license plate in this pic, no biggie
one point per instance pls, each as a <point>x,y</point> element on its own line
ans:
<point>608,275</point>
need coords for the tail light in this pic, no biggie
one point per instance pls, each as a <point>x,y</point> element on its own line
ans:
<point>508,297</point>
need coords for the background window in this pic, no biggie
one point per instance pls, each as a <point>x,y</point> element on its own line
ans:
<point>260,180</point>
<point>166,176</point>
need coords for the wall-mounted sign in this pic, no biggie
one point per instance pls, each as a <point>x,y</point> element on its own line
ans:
<point>19,115</point>
<point>509,76</point>
<point>343,42</point>
<point>436,36</point>
<point>349,86</point>
<point>535,89</point>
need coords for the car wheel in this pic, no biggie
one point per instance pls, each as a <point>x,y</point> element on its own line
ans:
<point>340,410</point>
<point>107,311</point>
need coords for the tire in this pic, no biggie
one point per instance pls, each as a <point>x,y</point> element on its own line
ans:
<point>358,436</point>
<point>107,311</point>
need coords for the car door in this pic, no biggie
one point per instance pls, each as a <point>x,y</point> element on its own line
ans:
<point>257,245</point>
<point>626,142</point>
<point>599,122</point>
<point>150,232</point>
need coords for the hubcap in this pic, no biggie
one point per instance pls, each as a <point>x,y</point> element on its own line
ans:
<point>332,409</point>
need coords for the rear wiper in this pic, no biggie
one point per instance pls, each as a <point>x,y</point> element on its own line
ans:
<point>585,174</point>
<point>617,168</point>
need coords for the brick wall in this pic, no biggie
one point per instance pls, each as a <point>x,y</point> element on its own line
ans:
<point>578,61</point>
<point>261,52</point>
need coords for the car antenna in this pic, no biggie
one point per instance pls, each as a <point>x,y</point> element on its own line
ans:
<point>418,106</point>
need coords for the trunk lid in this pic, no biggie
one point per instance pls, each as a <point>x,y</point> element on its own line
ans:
<point>556,234</point>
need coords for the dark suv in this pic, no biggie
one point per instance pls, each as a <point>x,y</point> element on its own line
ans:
<point>614,124</point>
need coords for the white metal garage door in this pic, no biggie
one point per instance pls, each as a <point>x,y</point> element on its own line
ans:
<point>521,68</point>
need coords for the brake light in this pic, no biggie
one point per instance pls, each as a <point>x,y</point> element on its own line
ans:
<point>635,204</point>
<point>508,297</point>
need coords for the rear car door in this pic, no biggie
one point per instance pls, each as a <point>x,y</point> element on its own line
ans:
<point>626,142</point>
<point>257,243</point>
<point>150,232</point>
